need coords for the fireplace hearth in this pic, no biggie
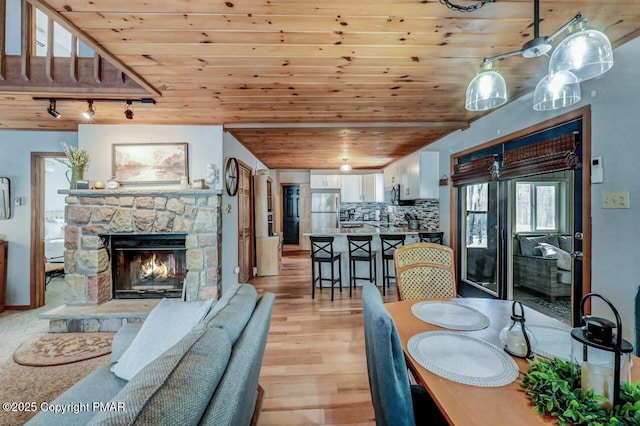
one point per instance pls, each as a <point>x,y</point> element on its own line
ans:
<point>147,265</point>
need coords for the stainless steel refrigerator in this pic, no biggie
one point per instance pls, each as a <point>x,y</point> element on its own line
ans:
<point>324,210</point>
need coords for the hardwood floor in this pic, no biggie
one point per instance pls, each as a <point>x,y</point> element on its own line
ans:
<point>314,369</point>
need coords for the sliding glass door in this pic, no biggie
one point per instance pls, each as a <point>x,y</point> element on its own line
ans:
<point>480,232</point>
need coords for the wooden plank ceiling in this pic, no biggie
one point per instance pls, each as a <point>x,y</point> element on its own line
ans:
<point>304,84</point>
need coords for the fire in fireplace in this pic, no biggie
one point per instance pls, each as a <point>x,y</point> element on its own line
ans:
<point>147,265</point>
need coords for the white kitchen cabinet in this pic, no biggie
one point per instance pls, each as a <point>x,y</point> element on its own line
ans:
<point>419,175</point>
<point>373,188</point>
<point>324,181</point>
<point>391,176</point>
<point>351,189</point>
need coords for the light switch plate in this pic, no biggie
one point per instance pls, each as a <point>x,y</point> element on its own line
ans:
<point>615,200</point>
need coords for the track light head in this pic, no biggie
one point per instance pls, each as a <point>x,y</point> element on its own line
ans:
<point>128,113</point>
<point>52,109</point>
<point>90,112</point>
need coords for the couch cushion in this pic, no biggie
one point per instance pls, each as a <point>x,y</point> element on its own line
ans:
<point>235,397</point>
<point>166,324</point>
<point>175,388</point>
<point>529,245</point>
<point>564,277</point>
<point>99,386</point>
<point>234,317</point>
<point>564,242</point>
<point>553,252</point>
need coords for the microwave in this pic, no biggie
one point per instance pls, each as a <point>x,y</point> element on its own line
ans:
<point>392,196</point>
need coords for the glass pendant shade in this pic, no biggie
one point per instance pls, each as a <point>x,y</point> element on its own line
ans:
<point>487,90</point>
<point>587,53</point>
<point>346,167</point>
<point>557,91</point>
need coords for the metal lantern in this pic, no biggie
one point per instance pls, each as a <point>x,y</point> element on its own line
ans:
<point>515,338</point>
<point>604,356</point>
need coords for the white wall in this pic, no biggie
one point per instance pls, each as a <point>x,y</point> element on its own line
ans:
<point>233,148</point>
<point>615,129</point>
<point>205,145</point>
<point>15,163</point>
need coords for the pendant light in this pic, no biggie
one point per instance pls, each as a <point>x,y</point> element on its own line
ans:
<point>586,52</point>
<point>487,89</point>
<point>346,167</point>
<point>556,91</point>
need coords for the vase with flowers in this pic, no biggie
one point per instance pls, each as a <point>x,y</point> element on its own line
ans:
<point>76,160</point>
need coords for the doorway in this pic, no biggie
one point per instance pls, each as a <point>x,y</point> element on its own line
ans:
<point>522,225</point>
<point>47,228</point>
<point>291,214</point>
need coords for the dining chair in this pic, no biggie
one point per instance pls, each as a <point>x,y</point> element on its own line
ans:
<point>431,237</point>
<point>424,270</point>
<point>395,401</point>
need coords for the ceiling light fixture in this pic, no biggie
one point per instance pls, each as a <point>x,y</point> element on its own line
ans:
<point>586,53</point>
<point>128,113</point>
<point>52,109</point>
<point>90,112</point>
<point>346,167</point>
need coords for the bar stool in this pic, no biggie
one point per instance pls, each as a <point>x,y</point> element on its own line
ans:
<point>322,252</point>
<point>389,243</point>
<point>431,237</point>
<point>360,251</point>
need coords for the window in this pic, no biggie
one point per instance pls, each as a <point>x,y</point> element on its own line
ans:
<point>477,205</point>
<point>537,206</point>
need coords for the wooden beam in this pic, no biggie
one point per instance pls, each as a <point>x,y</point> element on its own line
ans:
<point>73,59</point>
<point>50,50</point>
<point>97,67</point>
<point>89,41</point>
<point>27,18</point>
<point>361,125</point>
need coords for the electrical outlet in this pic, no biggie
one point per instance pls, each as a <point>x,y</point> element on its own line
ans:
<point>615,200</point>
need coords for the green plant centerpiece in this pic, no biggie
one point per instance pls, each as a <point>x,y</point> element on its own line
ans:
<point>77,160</point>
<point>554,389</point>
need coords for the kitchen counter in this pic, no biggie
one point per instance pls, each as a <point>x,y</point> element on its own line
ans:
<point>365,229</point>
<point>353,228</point>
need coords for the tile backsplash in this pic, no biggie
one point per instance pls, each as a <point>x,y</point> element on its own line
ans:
<point>427,212</point>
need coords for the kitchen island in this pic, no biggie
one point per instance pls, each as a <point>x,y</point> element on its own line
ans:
<point>341,245</point>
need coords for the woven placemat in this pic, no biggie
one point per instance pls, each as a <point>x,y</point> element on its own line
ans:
<point>463,359</point>
<point>450,315</point>
<point>62,348</point>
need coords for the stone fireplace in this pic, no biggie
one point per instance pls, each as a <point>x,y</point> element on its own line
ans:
<point>96,218</point>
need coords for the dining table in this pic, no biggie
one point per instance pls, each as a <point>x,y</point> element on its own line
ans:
<point>469,404</point>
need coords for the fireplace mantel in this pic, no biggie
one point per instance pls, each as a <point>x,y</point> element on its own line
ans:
<point>136,192</point>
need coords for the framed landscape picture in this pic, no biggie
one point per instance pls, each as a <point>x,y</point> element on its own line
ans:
<point>149,163</point>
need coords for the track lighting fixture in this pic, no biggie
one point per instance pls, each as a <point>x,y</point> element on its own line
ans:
<point>52,109</point>
<point>128,113</point>
<point>90,112</point>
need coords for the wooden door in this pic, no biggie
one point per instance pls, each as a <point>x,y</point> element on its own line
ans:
<point>245,222</point>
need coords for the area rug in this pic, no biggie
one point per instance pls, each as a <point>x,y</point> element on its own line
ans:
<point>62,348</point>
<point>19,383</point>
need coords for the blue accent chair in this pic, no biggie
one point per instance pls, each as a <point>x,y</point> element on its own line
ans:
<point>395,402</point>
